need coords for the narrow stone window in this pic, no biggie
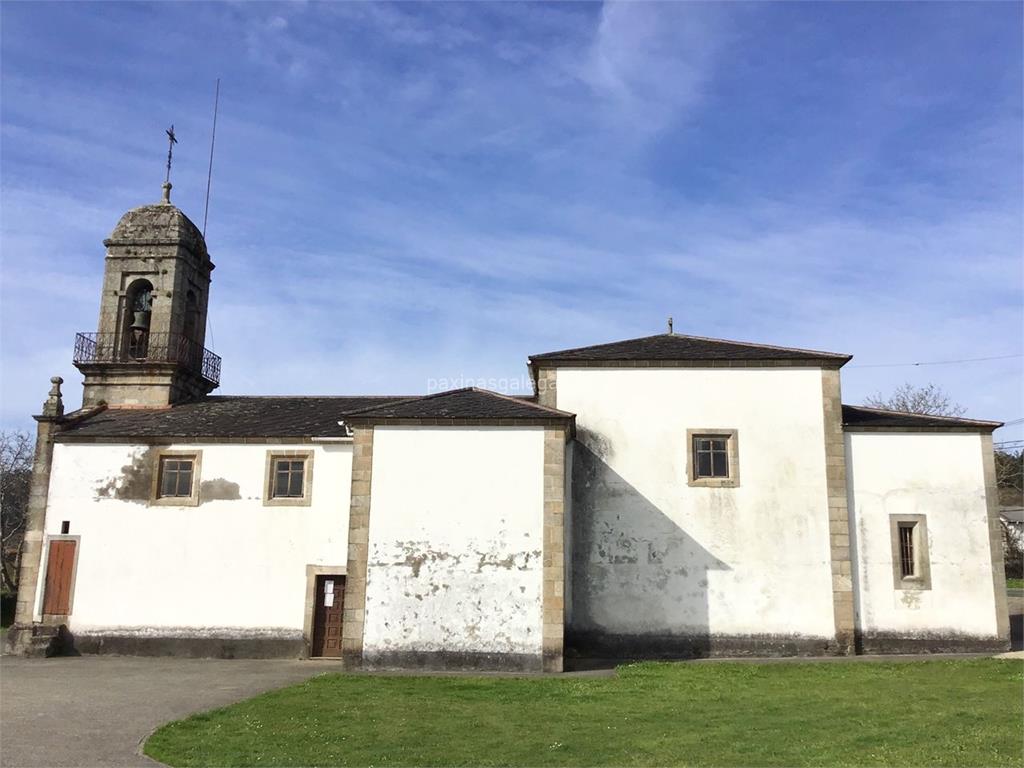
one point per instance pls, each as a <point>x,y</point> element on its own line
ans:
<point>289,480</point>
<point>910,562</point>
<point>712,458</point>
<point>907,549</point>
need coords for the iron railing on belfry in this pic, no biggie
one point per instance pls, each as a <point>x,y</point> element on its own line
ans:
<point>147,348</point>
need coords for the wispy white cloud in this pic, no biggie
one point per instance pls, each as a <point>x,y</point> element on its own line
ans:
<point>654,60</point>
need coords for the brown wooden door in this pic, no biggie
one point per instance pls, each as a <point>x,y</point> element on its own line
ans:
<point>327,611</point>
<point>59,571</point>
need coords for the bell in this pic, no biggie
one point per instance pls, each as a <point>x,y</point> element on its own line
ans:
<point>140,321</point>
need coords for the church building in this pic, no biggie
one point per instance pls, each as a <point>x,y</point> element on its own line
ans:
<point>671,496</point>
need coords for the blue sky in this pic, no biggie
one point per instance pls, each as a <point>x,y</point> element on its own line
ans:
<point>411,194</point>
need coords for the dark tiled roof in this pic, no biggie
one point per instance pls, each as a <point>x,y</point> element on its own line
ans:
<point>860,416</point>
<point>469,404</point>
<point>675,346</point>
<point>229,417</point>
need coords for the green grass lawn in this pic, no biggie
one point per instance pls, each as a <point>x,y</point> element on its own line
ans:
<point>917,713</point>
<point>1015,583</point>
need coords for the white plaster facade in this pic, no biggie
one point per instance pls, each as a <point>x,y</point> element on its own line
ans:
<point>456,535</point>
<point>654,556</point>
<point>227,564</point>
<point>455,543</point>
<point>939,476</point>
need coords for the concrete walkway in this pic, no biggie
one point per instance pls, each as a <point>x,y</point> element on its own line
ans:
<point>95,710</point>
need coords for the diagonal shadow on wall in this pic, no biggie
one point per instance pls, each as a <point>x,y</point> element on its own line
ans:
<point>640,583</point>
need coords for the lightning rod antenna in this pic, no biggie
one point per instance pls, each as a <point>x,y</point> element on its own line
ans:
<point>209,173</point>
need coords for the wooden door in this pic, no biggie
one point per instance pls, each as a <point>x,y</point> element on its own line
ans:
<point>59,571</point>
<point>327,611</point>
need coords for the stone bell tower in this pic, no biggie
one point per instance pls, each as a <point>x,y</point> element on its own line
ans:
<point>148,350</point>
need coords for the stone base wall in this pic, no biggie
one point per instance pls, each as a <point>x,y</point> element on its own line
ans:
<point>595,645</point>
<point>928,642</point>
<point>451,661</point>
<point>625,647</point>
<point>241,646</point>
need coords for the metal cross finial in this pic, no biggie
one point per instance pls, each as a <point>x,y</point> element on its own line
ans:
<point>171,141</point>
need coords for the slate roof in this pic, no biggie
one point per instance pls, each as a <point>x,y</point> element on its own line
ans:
<point>240,417</point>
<point>228,416</point>
<point>677,346</point>
<point>861,416</point>
<point>1012,514</point>
<point>463,404</point>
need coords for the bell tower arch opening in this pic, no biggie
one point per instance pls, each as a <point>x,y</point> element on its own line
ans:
<point>137,316</point>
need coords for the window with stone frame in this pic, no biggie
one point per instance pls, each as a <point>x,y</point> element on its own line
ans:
<point>911,567</point>
<point>712,458</point>
<point>176,476</point>
<point>289,478</point>
<point>176,480</point>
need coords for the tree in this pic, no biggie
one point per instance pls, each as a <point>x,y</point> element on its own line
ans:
<point>1010,477</point>
<point>928,400</point>
<point>15,477</point>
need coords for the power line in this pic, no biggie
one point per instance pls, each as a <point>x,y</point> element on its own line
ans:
<point>938,362</point>
<point>213,138</point>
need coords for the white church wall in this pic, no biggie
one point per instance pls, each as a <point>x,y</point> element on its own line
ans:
<point>229,562</point>
<point>656,560</point>
<point>939,476</point>
<point>455,565</point>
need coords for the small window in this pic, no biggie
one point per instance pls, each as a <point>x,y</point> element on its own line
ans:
<point>910,562</point>
<point>712,458</point>
<point>288,478</point>
<point>176,477</point>
<point>176,480</point>
<point>907,549</point>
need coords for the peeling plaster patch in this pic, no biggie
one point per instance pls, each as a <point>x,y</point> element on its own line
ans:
<point>135,483</point>
<point>218,489</point>
<point>911,599</point>
<point>517,560</point>
<point>495,593</point>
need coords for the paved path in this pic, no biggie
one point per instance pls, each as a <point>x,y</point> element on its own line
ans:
<point>94,710</point>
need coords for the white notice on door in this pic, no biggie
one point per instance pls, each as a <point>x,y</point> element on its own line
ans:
<point>328,600</point>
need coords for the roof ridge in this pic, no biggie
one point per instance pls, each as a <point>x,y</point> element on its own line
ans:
<point>403,401</point>
<point>304,397</point>
<point>519,400</point>
<point>920,415</point>
<point>753,344</point>
<point>763,346</point>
